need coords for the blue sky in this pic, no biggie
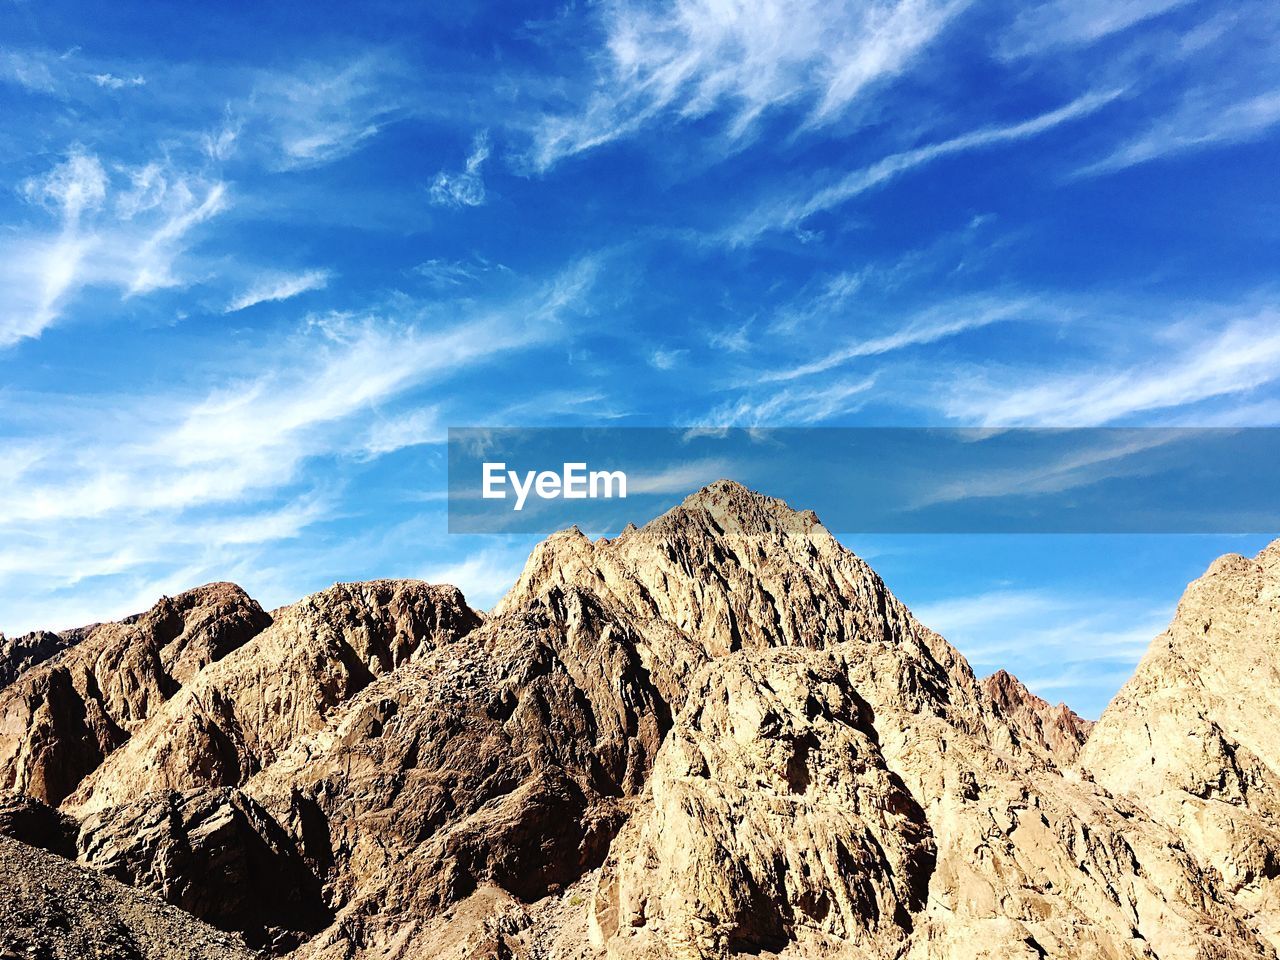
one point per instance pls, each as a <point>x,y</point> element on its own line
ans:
<point>256,259</point>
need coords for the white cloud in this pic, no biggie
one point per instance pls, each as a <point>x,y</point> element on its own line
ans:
<point>252,434</point>
<point>790,212</point>
<point>1203,120</point>
<point>105,235</point>
<point>31,70</point>
<point>465,188</point>
<point>153,492</point>
<point>323,111</point>
<point>1042,26</point>
<point>1216,362</point>
<point>679,478</point>
<point>1053,640</point>
<point>407,430</point>
<point>276,287</point>
<point>1109,456</point>
<point>111,82</point>
<point>665,359</point>
<point>482,577</point>
<point>791,406</point>
<point>691,58</point>
<point>931,326</point>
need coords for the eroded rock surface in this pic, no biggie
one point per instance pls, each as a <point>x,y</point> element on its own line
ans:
<point>235,717</point>
<point>59,720</point>
<point>1194,736</point>
<point>1057,730</point>
<point>715,736</point>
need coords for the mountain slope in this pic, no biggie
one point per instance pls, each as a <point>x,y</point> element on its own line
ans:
<point>1195,733</point>
<point>718,735</point>
<point>55,909</point>
<point>61,718</point>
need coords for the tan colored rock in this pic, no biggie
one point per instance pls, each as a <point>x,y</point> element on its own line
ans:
<point>1057,730</point>
<point>235,717</point>
<point>60,719</point>
<point>716,736</point>
<point>1194,736</point>
<point>20,654</point>
<point>775,824</point>
<point>1028,862</point>
<point>505,761</point>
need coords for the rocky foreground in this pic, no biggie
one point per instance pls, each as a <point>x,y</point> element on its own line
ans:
<point>715,736</point>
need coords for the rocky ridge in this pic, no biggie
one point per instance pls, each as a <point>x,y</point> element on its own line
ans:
<point>717,735</point>
<point>1058,730</point>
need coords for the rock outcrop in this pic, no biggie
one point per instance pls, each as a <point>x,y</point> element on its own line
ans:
<point>1058,731</point>
<point>20,654</point>
<point>60,719</point>
<point>719,735</point>
<point>235,717</point>
<point>1194,736</point>
<point>506,761</point>
<point>216,854</point>
<point>37,824</point>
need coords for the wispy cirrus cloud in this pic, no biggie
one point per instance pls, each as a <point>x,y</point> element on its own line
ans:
<point>1224,360</point>
<point>1053,641</point>
<point>466,187</point>
<point>444,275</point>
<point>320,112</point>
<point>126,229</point>
<point>789,212</point>
<point>930,326</point>
<point>1204,119</point>
<point>688,59</point>
<point>112,82</point>
<point>275,287</point>
<point>222,463</point>
<point>254,433</point>
<point>1040,27</point>
<point>790,406</point>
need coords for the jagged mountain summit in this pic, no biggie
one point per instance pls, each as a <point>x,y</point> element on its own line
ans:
<point>717,735</point>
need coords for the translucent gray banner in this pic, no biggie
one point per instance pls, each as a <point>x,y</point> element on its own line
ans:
<point>876,480</point>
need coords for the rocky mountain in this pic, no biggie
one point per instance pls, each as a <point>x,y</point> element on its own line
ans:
<point>1058,730</point>
<point>1195,734</point>
<point>718,735</point>
<point>60,718</point>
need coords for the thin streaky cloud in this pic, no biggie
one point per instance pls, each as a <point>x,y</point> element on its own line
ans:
<point>793,211</point>
<point>300,400</point>
<point>1232,361</point>
<point>1041,27</point>
<point>929,328</point>
<point>790,406</point>
<point>112,82</point>
<point>679,478</point>
<point>1201,123</point>
<point>274,288</point>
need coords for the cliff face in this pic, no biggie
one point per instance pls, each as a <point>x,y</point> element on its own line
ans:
<point>1194,736</point>
<point>717,735</point>
<point>1058,731</point>
<point>61,717</point>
